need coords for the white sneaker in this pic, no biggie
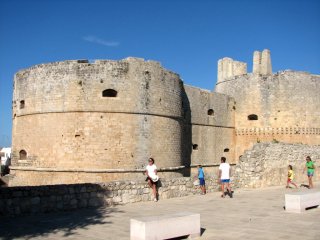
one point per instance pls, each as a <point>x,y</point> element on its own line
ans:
<point>156,200</point>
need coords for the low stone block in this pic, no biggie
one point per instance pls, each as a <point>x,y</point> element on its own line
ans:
<point>165,226</point>
<point>299,201</point>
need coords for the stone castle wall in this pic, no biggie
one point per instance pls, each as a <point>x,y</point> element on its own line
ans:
<point>212,126</point>
<point>42,199</point>
<point>63,121</point>
<point>229,68</point>
<point>266,164</point>
<point>78,122</point>
<point>286,105</point>
<point>262,62</point>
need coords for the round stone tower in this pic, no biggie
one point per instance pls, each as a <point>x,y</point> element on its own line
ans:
<point>76,121</point>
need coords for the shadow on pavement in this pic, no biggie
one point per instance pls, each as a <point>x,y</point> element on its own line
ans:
<point>66,223</point>
<point>202,230</point>
<point>304,185</point>
<point>2,183</point>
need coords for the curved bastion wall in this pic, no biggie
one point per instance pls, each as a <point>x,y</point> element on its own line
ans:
<point>76,121</point>
<point>281,107</point>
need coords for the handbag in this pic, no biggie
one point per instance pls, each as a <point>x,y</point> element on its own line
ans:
<point>196,182</point>
<point>155,178</point>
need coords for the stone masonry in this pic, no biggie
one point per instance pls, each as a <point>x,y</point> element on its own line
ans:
<point>283,106</point>
<point>263,165</point>
<point>229,68</point>
<point>266,164</point>
<point>87,122</point>
<point>262,62</point>
<point>80,122</point>
<point>53,198</point>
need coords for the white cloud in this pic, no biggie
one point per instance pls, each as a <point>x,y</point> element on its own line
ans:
<point>94,39</point>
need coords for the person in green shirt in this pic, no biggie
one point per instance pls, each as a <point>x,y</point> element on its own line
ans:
<point>310,170</point>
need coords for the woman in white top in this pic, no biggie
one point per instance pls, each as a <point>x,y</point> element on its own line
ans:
<point>152,178</point>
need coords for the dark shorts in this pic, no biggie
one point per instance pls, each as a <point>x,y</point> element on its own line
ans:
<point>152,182</point>
<point>225,180</point>
<point>202,182</point>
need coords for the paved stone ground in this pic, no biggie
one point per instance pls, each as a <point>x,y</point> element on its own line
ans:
<point>251,214</point>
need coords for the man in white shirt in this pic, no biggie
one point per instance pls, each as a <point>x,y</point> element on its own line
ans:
<point>224,176</point>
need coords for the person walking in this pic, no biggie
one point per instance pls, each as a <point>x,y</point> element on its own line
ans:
<point>310,170</point>
<point>152,177</point>
<point>201,180</point>
<point>290,177</point>
<point>224,177</point>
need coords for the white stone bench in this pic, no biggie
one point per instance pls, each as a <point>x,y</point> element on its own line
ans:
<point>165,226</point>
<point>299,201</point>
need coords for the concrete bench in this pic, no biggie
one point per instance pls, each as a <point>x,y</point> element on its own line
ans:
<point>299,201</point>
<point>165,226</point>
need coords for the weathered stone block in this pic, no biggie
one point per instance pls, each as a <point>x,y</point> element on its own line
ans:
<point>299,201</point>
<point>165,226</point>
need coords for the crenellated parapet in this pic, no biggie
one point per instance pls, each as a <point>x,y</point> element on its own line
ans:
<point>278,131</point>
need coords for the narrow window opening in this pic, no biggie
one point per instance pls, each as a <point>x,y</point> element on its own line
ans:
<point>22,104</point>
<point>226,150</point>
<point>195,146</point>
<point>252,117</point>
<point>109,93</point>
<point>22,155</point>
<point>210,112</point>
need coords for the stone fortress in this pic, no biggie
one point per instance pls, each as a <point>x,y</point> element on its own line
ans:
<point>77,121</point>
<point>281,107</point>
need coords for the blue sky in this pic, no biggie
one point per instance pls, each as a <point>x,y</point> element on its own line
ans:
<point>187,37</point>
